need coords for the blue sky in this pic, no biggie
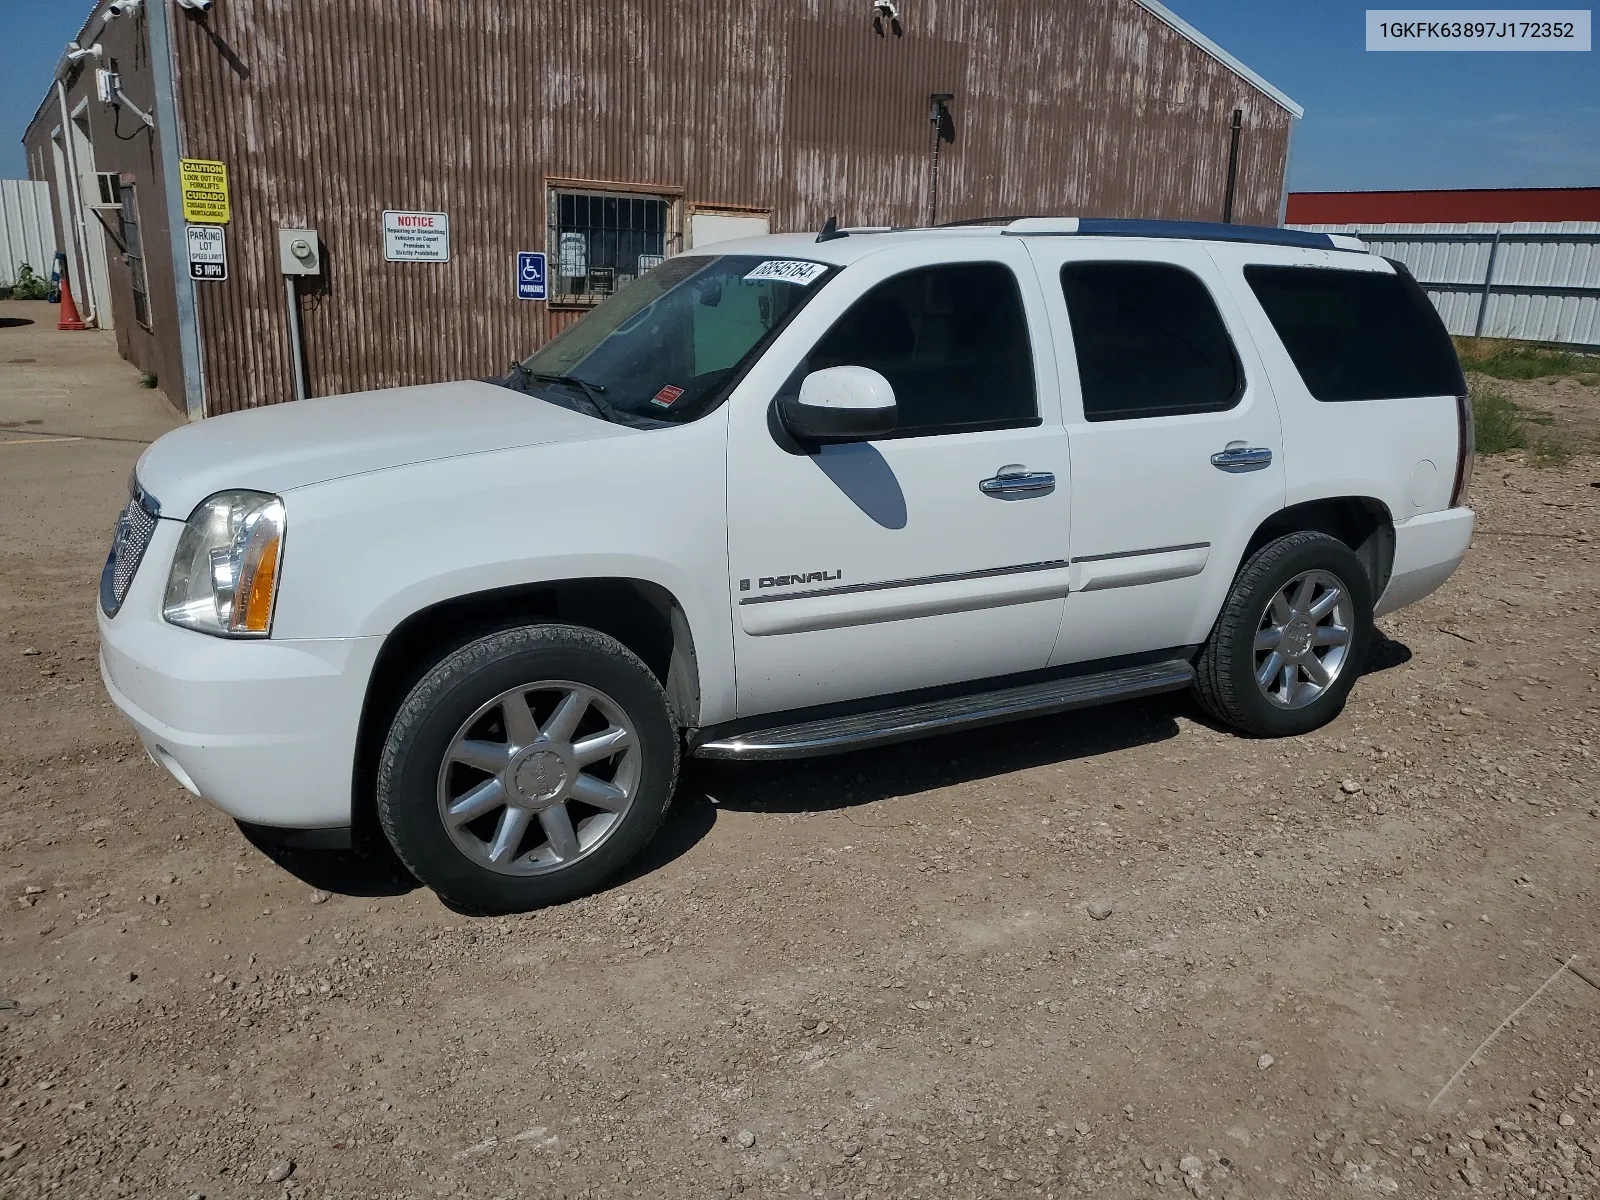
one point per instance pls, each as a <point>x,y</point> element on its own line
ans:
<point>1372,120</point>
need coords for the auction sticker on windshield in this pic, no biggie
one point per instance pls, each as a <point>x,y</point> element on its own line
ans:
<point>666,396</point>
<point>789,270</point>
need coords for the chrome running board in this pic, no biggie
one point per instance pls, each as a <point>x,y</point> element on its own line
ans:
<point>835,735</point>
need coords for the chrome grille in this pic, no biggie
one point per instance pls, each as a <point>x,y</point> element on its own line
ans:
<point>135,527</point>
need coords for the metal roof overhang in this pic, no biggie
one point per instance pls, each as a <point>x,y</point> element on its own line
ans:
<point>1171,18</point>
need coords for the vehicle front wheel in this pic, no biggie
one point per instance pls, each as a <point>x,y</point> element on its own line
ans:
<point>1290,639</point>
<point>527,768</point>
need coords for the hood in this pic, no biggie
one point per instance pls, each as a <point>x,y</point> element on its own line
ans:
<point>286,446</point>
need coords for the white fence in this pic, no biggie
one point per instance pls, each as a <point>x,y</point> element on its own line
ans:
<point>1539,282</point>
<point>27,234</point>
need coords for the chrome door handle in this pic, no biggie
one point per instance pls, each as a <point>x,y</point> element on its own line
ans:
<point>1239,458</point>
<point>1015,482</point>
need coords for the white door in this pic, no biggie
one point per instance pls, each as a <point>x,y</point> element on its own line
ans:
<point>95,240</point>
<point>708,227</point>
<point>1176,443</point>
<point>878,567</point>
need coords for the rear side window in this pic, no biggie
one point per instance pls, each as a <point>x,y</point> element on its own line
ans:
<point>1358,335</point>
<point>1150,341</point>
<point>951,340</point>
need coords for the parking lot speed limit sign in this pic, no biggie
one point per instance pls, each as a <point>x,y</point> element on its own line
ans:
<point>208,252</point>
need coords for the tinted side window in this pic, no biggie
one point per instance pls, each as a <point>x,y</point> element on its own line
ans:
<point>952,341</point>
<point>1358,335</point>
<point>1150,341</point>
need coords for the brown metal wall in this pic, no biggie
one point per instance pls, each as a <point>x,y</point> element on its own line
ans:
<point>123,144</point>
<point>330,111</point>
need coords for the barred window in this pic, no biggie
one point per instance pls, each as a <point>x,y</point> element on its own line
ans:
<point>599,242</point>
<point>133,252</point>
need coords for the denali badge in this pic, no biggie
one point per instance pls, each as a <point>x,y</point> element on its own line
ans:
<point>767,581</point>
<point>770,581</point>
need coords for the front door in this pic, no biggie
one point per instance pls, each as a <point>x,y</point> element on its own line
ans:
<point>933,556</point>
<point>1176,443</point>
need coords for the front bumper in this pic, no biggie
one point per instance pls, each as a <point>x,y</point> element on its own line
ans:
<point>264,730</point>
<point>1427,550</point>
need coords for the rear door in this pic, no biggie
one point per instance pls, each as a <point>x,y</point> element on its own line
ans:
<point>1175,440</point>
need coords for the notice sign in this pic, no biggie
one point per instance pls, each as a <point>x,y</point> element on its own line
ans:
<point>416,236</point>
<point>204,185</point>
<point>574,255</point>
<point>530,275</point>
<point>208,253</point>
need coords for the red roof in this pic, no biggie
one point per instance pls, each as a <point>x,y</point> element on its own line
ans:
<point>1486,205</point>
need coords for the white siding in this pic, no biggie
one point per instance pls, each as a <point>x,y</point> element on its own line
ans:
<point>27,233</point>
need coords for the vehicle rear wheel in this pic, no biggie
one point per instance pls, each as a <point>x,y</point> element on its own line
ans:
<point>1290,639</point>
<point>527,768</point>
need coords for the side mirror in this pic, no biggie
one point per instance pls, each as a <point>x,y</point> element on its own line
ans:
<point>840,404</point>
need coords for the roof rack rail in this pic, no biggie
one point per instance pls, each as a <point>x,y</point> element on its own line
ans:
<point>994,220</point>
<point>1205,231</point>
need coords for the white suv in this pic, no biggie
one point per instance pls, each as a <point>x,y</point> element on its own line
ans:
<point>783,497</point>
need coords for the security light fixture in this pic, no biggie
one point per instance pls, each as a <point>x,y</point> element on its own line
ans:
<point>937,103</point>
<point>75,54</point>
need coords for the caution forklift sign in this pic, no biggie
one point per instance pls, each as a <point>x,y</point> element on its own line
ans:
<point>205,191</point>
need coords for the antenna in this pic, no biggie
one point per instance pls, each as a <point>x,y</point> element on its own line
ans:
<point>831,230</point>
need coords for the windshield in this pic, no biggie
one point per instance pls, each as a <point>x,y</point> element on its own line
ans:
<point>671,343</point>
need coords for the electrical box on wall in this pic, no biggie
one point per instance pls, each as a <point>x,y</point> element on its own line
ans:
<point>299,252</point>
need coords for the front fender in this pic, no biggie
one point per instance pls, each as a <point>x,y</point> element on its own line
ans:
<point>362,554</point>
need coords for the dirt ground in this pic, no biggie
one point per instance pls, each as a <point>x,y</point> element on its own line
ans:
<point>875,976</point>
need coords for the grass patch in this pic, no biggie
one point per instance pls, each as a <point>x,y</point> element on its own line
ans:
<point>1498,421</point>
<point>1550,454</point>
<point>1502,425</point>
<point>147,381</point>
<point>1503,359</point>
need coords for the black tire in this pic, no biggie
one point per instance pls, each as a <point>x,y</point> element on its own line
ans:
<point>457,687</point>
<point>1225,680</point>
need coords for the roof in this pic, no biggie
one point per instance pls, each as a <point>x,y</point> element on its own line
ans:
<point>1165,14</point>
<point>1444,206</point>
<point>856,243</point>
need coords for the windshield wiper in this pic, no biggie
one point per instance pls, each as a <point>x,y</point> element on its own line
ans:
<point>591,391</point>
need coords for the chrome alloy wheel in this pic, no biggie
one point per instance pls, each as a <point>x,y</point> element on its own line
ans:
<point>1303,639</point>
<point>539,777</point>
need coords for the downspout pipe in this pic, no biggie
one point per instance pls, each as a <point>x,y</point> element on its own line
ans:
<point>1234,127</point>
<point>164,74</point>
<point>83,284</point>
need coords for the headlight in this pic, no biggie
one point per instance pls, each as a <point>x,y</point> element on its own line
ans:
<point>225,573</point>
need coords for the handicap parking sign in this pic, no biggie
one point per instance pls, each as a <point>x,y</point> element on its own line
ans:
<point>530,275</point>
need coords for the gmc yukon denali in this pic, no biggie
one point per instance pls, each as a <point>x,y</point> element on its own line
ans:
<point>791,496</point>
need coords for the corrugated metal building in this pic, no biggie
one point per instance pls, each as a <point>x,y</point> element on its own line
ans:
<point>606,135</point>
<point>27,237</point>
<point>1518,263</point>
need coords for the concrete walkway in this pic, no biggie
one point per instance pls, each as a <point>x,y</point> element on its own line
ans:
<point>73,421</point>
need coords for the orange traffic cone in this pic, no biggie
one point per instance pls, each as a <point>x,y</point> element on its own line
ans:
<point>69,311</point>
